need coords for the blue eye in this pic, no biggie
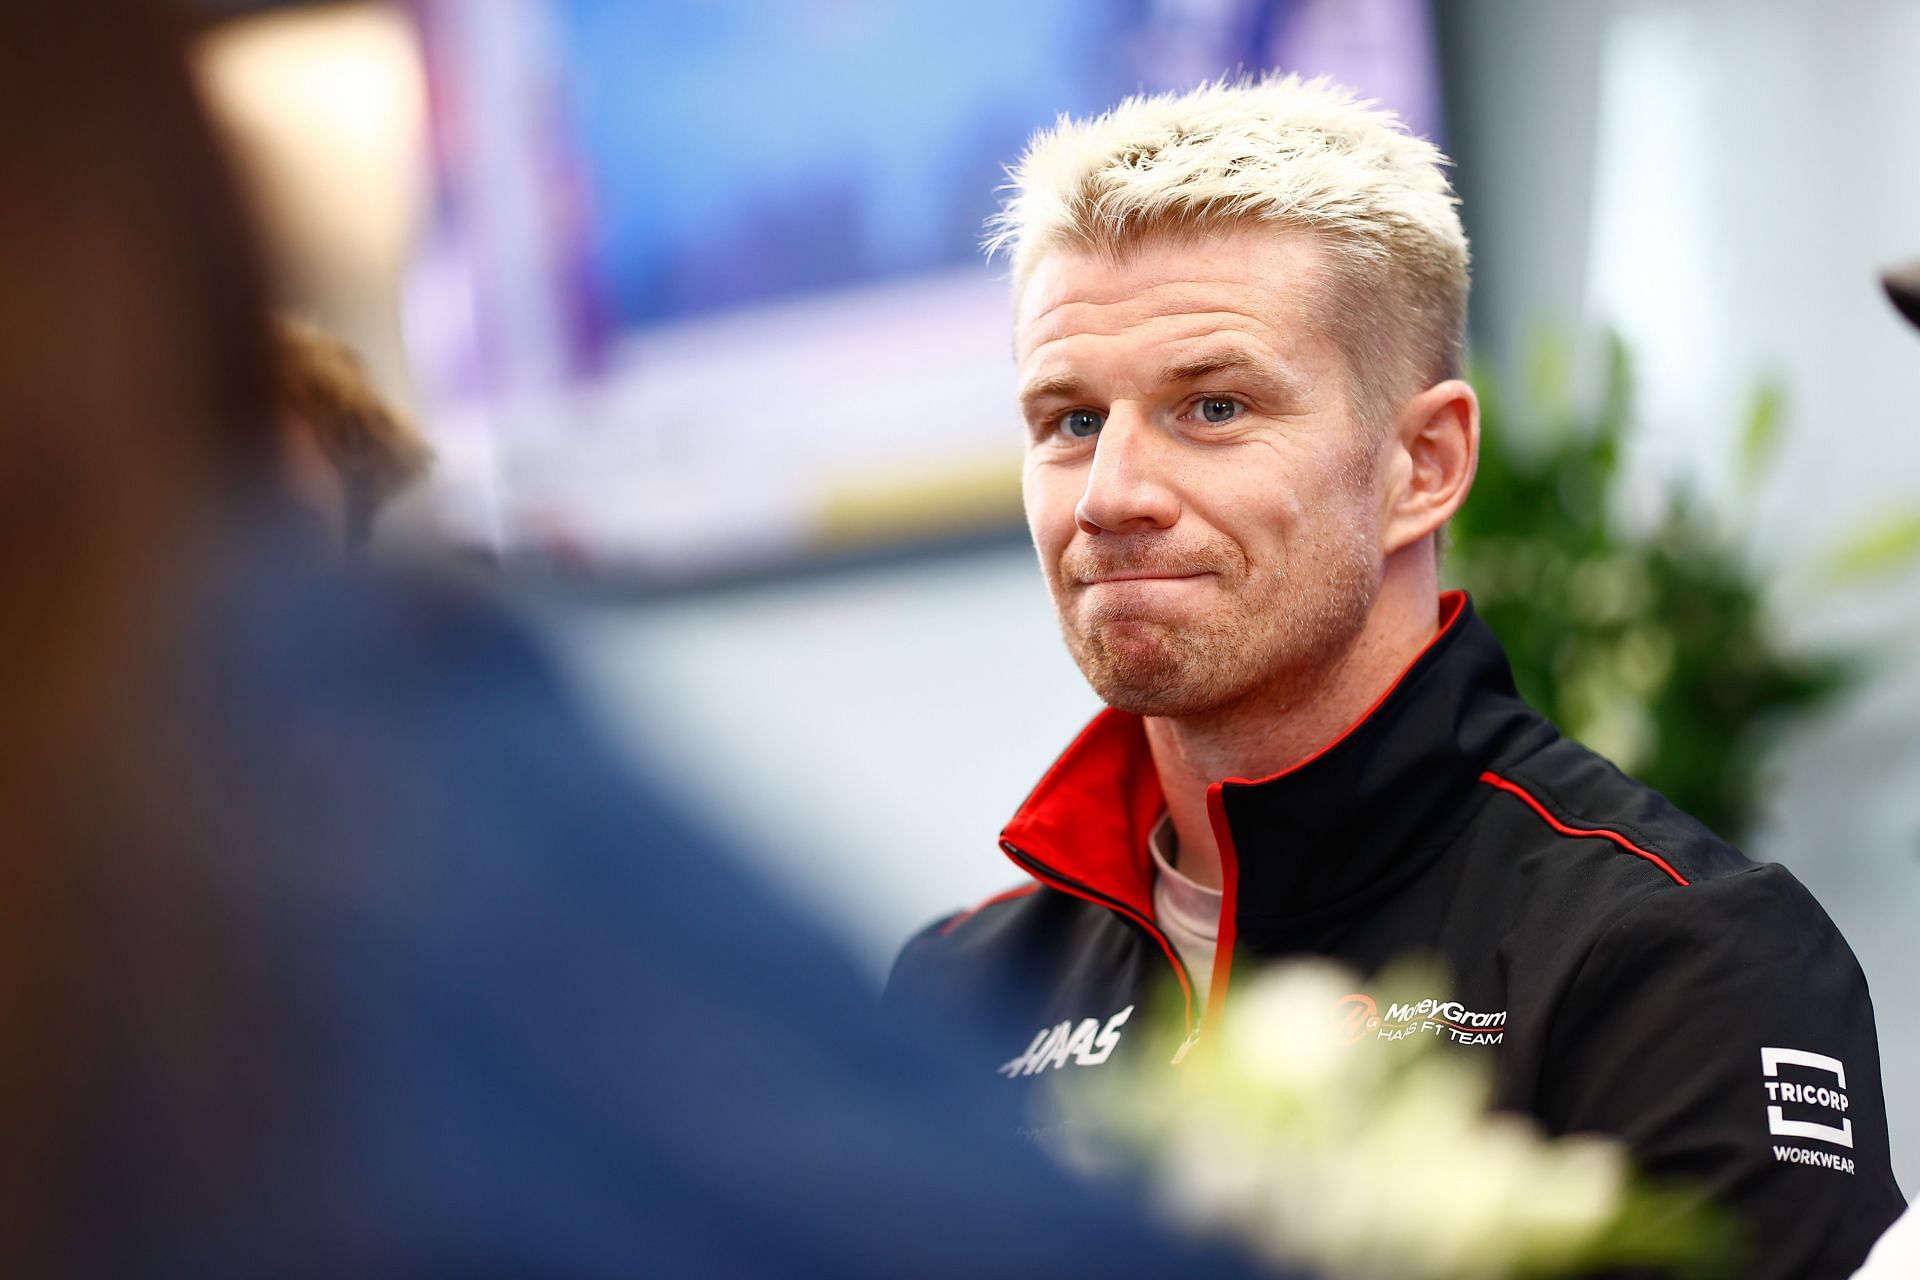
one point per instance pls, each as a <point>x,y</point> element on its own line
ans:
<point>1081,423</point>
<point>1219,409</point>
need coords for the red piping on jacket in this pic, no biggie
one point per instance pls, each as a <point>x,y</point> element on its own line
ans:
<point>1452,604</point>
<point>1229,927</point>
<point>1512,788</point>
<point>1018,891</point>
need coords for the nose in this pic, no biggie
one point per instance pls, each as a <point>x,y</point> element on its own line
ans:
<point>1128,489</point>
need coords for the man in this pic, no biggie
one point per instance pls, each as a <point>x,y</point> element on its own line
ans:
<point>344,451</point>
<point>1239,318</point>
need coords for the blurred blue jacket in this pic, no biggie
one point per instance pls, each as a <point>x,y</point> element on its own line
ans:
<point>499,1008</point>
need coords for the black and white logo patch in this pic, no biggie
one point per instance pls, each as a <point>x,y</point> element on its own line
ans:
<point>1806,1096</point>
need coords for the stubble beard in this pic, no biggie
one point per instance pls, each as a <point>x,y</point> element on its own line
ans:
<point>1272,636</point>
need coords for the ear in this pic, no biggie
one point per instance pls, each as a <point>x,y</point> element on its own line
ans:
<point>1434,448</point>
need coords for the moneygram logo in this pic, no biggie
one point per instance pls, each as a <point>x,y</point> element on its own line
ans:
<point>1358,1017</point>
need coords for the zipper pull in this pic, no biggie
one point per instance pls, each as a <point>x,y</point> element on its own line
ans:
<point>1186,1046</point>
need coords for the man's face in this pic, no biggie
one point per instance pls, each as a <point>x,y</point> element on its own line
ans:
<point>1203,500</point>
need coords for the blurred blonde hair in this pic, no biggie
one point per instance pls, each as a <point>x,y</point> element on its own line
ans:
<point>320,384</point>
<point>1279,151</point>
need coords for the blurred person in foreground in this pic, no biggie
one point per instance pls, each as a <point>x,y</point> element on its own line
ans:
<point>333,942</point>
<point>345,450</point>
<point>1239,321</point>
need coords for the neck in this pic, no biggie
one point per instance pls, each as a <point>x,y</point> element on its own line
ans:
<point>1273,729</point>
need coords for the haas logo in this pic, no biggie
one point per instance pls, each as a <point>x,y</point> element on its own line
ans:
<point>1087,1045</point>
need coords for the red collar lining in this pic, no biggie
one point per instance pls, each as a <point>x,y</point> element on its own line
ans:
<point>1090,816</point>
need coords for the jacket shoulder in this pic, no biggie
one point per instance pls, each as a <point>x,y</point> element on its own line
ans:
<point>1726,1032</point>
<point>1575,814</point>
<point>970,959</point>
<point>959,941</point>
<point>1617,881</point>
<point>1700,1006</point>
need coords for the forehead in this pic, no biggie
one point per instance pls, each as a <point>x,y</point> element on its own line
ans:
<point>1268,283</point>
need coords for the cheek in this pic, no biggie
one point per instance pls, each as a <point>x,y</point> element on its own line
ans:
<point>1269,505</point>
<point>1050,494</point>
<point>1259,513</point>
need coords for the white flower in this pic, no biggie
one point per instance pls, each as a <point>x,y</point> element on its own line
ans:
<point>1315,1143</point>
<point>1281,1033</point>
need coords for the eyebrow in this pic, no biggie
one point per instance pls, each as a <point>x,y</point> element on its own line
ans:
<point>1265,373</point>
<point>1057,386</point>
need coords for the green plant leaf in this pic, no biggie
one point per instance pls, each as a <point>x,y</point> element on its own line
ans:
<point>1889,543</point>
<point>1760,439</point>
<point>1611,419</point>
<point>1549,375</point>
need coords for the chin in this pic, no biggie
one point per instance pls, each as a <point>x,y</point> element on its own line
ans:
<point>1140,668</point>
<point>1162,693</point>
<point>1157,703</point>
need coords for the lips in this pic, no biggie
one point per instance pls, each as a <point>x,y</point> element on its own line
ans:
<point>1141,577</point>
<point>1092,566</point>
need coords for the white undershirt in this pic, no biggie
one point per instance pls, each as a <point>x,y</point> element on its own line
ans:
<point>1187,911</point>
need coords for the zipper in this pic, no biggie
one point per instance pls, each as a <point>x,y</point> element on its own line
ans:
<point>1048,876</point>
<point>1227,932</point>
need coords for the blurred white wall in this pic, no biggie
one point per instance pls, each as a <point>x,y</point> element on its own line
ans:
<point>865,735</point>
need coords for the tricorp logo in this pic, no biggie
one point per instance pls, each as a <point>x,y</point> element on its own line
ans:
<point>1815,1087</point>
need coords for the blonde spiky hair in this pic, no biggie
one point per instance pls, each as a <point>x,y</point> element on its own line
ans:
<point>1278,151</point>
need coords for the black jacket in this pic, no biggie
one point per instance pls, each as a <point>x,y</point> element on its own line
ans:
<point>1629,972</point>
